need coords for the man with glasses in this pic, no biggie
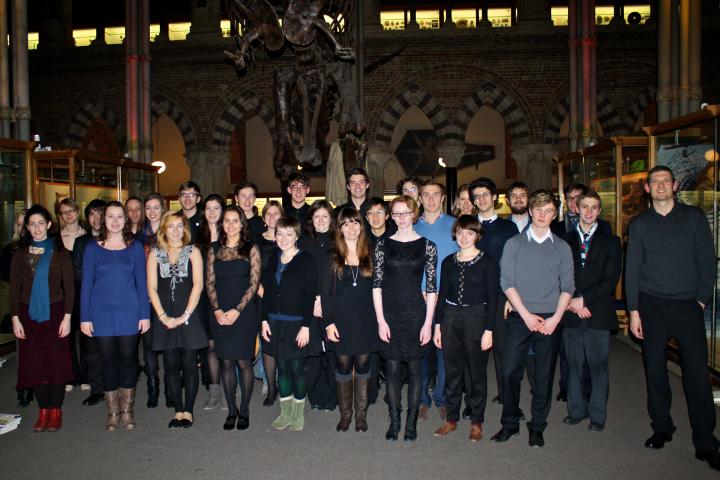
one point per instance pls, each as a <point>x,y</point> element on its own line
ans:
<point>669,279</point>
<point>245,196</point>
<point>298,188</point>
<point>357,182</point>
<point>189,196</point>
<point>435,225</point>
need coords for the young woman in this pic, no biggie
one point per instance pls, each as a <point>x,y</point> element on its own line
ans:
<point>134,208</point>
<point>69,216</point>
<point>318,241</point>
<point>154,210</point>
<point>290,283</point>
<point>465,317</point>
<point>349,317</point>
<point>272,212</point>
<point>207,238</point>
<point>233,276</point>
<point>175,282</point>
<point>463,205</point>
<point>42,292</point>
<point>115,309</point>
<point>404,317</point>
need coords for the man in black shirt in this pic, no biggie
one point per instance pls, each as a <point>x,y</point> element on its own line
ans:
<point>189,196</point>
<point>669,279</point>
<point>245,195</point>
<point>357,183</point>
<point>298,188</point>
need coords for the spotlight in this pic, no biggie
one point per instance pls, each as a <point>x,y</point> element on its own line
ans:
<point>161,165</point>
<point>442,164</point>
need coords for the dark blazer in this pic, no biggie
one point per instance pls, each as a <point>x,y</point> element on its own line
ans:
<point>296,293</point>
<point>597,280</point>
<point>560,228</point>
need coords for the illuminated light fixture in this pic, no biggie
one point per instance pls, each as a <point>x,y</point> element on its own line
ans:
<point>711,155</point>
<point>161,165</point>
<point>442,164</point>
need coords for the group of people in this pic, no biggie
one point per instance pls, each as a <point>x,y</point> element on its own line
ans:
<point>336,297</point>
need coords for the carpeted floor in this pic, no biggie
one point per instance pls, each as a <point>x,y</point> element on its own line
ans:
<point>83,450</point>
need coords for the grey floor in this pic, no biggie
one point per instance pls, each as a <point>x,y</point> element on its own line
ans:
<point>83,450</point>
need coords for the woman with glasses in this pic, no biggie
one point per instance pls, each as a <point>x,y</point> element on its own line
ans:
<point>349,317</point>
<point>410,186</point>
<point>404,317</point>
<point>69,217</point>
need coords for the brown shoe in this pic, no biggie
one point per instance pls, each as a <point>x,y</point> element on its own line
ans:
<point>476,432</point>
<point>112,400</point>
<point>446,428</point>
<point>423,412</point>
<point>442,411</point>
<point>345,402</point>
<point>127,400</point>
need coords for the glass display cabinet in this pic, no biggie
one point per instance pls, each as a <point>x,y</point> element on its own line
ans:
<point>15,182</point>
<point>689,146</point>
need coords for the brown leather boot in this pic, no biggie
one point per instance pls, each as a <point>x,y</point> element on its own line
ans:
<point>127,400</point>
<point>112,400</point>
<point>361,403</point>
<point>345,402</point>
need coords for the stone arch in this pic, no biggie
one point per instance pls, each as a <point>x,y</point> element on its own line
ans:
<point>499,99</point>
<point>162,105</point>
<point>245,104</point>
<point>638,106</point>
<point>84,119</point>
<point>412,94</point>
<point>607,116</point>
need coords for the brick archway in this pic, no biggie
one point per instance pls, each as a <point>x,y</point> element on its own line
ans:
<point>241,108</point>
<point>84,122</point>
<point>638,106</point>
<point>161,105</point>
<point>608,117</point>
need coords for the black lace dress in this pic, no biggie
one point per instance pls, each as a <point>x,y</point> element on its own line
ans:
<point>232,282</point>
<point>399,270</point>
<point>174,285</point>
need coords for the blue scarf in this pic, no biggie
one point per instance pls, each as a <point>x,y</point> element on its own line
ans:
<point>40,294</point>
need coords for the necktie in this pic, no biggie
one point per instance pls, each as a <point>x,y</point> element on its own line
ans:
<point>584,248</point>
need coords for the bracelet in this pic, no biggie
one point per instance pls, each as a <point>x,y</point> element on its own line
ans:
<point>162,315</point>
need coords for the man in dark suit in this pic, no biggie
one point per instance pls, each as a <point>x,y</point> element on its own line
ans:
<point>591,315</point>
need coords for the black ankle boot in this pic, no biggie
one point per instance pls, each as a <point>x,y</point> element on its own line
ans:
<point>153,391</point>
<point>411,425</point>
<point>394,428</point>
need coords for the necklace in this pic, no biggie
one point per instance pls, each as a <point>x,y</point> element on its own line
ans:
<point>354,274</point>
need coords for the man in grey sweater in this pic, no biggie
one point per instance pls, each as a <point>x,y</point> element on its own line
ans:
<point>537,277</point>
<point>669,279</point>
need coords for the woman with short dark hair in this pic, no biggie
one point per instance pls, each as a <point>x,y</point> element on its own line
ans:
<point>42,293</point>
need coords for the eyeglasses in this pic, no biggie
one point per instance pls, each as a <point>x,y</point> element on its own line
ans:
<point>67,212</point>
<point>410,190</point>
<point>478,196</point>
<point>401,214</point>
<point>298,186</point>
<point>187,195</point>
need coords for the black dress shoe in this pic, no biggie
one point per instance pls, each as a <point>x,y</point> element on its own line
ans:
<point>572,420</point>
<point>596,427</point>
<point>186,423</point>
<point>243,422</point>
<point>505,434</point>
<point>25,397</point>
<point>536,439</point>
<point>93,399</point>
<point>175,423</point>
<point>561,397</point>
<point>467,413</point>
<point>658,440</point>
<point>230,422</point>
<point>497,399</point>
<point>712,458</point>
<point>270,399</point>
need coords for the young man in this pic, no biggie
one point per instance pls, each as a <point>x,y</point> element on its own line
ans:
<point>435,225</point>
<point>496,231</point>
<point>536,273</point>
<point>189,196</point>
<point>377,217</point>
<point>298,188</point>
<point>245,195</point>
<point>517,198</point>
<point>669,279</point>
<point>591,315</point>
<point>89,351</point>
<point>357,182</point>
<point>135,210</point>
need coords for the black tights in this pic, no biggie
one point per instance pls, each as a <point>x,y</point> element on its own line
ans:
<point>49,396</point>
<point>345,363</point>
<point>213,364</point>
<point>176,360</point>
<point>229,380</point>
<point>270,367</point>
<point>292,379</point>
<point>393,370</point>
<point>119,361</point>
<point>150,357</point>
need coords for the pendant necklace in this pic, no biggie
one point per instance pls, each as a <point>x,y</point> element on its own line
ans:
<point>354,274</point>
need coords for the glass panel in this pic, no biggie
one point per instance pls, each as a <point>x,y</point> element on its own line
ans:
<point>393,20</point>
<point>33,40</point>
<point>12,190</point>
<point>633,199</point>
<point>84,36</point>
<point>642,10</point>
<point>603,15</point>
<point>464,18</point>
<point>428,18</point>
<point>137,183</point>
<point>94,180</point>
<point>114,35</point>
<point>600,169</point>
<point>178,31</point>
<point>500,17</point>
<point>154,31</point>
<point>53,177</point>
<point>559,16</point>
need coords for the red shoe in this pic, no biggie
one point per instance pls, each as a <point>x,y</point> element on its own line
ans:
<point>42,422</point>
<point>55,422</point>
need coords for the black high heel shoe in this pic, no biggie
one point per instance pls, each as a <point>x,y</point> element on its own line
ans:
<point>230,422</point>
<point>175,423</point>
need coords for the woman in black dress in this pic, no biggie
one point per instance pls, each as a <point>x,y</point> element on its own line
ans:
<point>464,322</point>
<point>271,213</point>
<point>404,317</point>
<point>349,317</point>
<point>318,240</point>
<point>233,276</point>
<point>290,283</point>
<point>175,282</point>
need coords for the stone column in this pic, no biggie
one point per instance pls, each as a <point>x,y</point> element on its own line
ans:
<point>683,89</point>
<point>132,81</point>
<point>448,15</point>
<point>535,164</point>
<point>6,113</point>
<point>695,55</point>
<point>21,82</point>
<point>377,159</point>
<point>664,74</point>
<point>618,13</point>
<point>534,13</point>
<point>144,68</point>
<point>371,17</point>
<point>205,21</point>
<point>210,169</point>
<point>451,152</point>
<point>412,24</point>
<point>56,25</point>
<point>484,21</point>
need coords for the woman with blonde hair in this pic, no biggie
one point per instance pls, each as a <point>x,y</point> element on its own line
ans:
<point>463,205</point>
<point>175,282</point>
